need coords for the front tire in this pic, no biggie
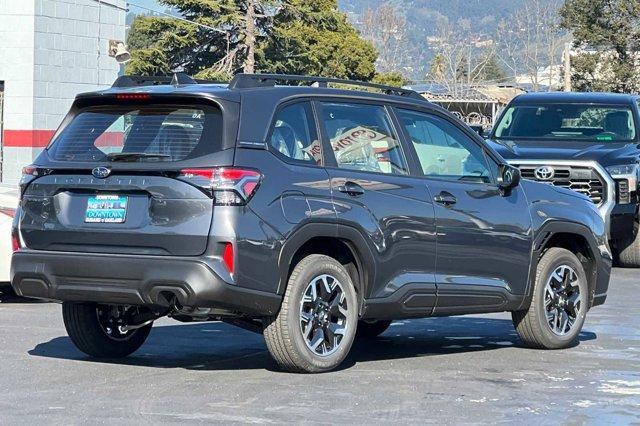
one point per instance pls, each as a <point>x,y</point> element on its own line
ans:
<point>629,250</point>
<point>92,331</point>
<point>316,325</point>
<point>559,304</point>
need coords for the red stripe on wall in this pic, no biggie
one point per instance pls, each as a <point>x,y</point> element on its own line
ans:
<point>27,138</point>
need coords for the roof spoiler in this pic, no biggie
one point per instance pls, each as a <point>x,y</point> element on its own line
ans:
<point>247,81</point>
<point>178,79</point>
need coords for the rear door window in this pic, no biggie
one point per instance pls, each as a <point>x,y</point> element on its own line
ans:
<point>362,138</point>
<point>147,133</point>
<point>294,135</point>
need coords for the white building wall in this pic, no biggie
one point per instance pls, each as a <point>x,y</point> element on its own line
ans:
<point>16,68</point>
<point>67,55</point>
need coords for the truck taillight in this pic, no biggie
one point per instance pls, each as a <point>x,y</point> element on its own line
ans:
<point>229,186</point>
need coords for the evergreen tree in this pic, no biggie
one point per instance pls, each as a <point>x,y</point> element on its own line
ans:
<point>287,36</point>
<point>314,37</point>
<point>164,44</point>
<point>488,70</point>
<point>607,37</point>
<point>391,78</point>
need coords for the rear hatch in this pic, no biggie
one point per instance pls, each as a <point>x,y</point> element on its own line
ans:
<point>112,180</point>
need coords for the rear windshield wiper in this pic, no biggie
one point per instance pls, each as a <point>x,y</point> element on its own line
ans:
<point>135,156</point>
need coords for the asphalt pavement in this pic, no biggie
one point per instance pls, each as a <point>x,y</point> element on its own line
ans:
<point>469,369</point>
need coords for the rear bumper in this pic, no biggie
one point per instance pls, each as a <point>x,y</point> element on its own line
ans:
<point>133,280</point>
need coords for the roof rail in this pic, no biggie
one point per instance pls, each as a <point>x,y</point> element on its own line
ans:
<point>177,79</point>
<point>247,81</point>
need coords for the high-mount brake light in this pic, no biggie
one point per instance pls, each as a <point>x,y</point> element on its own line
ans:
<point>133,96</point>
<point>229,186</point>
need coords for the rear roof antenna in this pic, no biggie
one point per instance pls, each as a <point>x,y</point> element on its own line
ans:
<point>180,78</point>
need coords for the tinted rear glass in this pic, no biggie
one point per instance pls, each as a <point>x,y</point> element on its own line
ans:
<point>159,132</point>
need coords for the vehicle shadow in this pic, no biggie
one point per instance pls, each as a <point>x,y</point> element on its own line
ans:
<point>218,346</point>
<point>8,296</point>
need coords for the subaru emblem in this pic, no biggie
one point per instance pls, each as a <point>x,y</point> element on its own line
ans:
<point>101,172</point>
<point>544,173</point>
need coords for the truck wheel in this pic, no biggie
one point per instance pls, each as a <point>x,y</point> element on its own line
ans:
<point>559,303</point>
<point>316,325</point>
<point>629,250</point>
<point>371,329</point>
<point>94,330</point>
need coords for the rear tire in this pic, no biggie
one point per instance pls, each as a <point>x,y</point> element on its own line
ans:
<point>316,325</point>
<point>91,336</point>
<point>629,250</point>
<point>371,329</point>
<point>6,291</point>
<point>556,316</point>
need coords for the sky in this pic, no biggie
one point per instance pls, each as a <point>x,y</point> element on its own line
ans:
<point>151,4</point>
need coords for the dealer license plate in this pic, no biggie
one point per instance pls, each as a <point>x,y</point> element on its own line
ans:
<point>106,209</point>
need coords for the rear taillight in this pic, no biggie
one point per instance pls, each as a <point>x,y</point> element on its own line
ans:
<point>229,186</point>
<point>30,170</point>
<point>29,173</point>
<point>15,241</point>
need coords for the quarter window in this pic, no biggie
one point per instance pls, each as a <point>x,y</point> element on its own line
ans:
<point>362,138</point>
<point>294,134</point>
<point>444,151</point>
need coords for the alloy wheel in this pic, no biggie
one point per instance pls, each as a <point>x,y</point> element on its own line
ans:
<point>563,301</point>
<point>112,320</point>
<point>323,315</point>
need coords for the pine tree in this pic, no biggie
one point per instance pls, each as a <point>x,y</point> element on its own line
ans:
<point>607,38</point>
<point>313,37</point>
<point>160,45</point>
<point>284,36</point>
<point>488,70</point>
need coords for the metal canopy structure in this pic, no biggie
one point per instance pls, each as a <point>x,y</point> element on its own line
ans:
<point>474,104</point>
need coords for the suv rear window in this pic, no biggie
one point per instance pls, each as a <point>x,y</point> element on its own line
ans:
<point>156,132</point>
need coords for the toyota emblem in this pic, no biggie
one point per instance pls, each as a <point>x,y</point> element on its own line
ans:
<point>101,172</point>
<point>544,173</point>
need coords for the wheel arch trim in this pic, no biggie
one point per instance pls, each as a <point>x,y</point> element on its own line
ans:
<point>543,236</point>
<point>349,235</point>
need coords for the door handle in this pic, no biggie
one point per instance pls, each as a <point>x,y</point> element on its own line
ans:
<point>351,188</point>
<point>445,198</point>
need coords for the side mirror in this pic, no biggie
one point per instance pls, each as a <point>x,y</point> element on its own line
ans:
<point>509,177</point>
<point>479,129</point>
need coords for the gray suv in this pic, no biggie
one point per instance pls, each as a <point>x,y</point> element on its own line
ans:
<point>311,214</point>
